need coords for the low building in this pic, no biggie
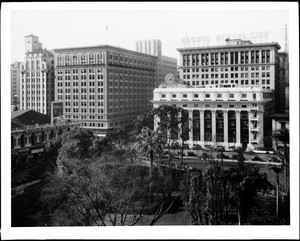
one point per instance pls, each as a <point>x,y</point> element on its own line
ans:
<point>30,130</point>
<point>221,116</point>
<point>280,121</point>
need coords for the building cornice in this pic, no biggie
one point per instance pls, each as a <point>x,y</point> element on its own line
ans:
<point>103,47</point>
<point>272,44</point>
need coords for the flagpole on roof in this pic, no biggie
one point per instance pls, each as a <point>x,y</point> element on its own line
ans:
<point>106,30</point>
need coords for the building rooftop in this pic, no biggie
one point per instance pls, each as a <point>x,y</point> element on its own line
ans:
<point>39,51</point>
<point>107,46</point>
<point>247,45</point>
<point>24,118</point>
<point>280,115</point>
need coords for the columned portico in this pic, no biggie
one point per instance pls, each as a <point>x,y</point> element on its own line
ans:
<point>202,126</point>
<point>225,115</point>
<point>191,126</point>
<point>238,127</point>
<point>213,116</point>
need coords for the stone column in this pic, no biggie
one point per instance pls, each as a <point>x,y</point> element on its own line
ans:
<point>179,129</point>
<point>239,57</point>
<point>260,57</point>
<point>213,125</point>
<point>238,127</point>
<point>260,125</point>
<point>202,125</point>
<point>225,116</point>
<point>191,126</point>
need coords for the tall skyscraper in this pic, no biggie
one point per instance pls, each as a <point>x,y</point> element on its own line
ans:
<point>15,82</point>
<point>37,80</point>
<point>165,64</point>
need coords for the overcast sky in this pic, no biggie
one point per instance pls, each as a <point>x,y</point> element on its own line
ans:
<point>169,22</point>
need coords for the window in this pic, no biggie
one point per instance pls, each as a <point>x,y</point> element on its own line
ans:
<point>184,96</point>
<point>173,95</point>
<point>231,95</point>
<point>163,96</point>
<point>207,95</point>
<point>244,95</point>
<point>219,95</point>
<point>196,96</point>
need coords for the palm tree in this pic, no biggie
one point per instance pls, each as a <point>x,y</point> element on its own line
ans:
<point>283,136</point>
<point>148,142</point>
<point>277,170</point>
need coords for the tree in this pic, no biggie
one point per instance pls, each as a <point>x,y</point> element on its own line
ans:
<point>283,136</point>
<point>210,193</point>
<point>149,143</point>
<point>277,170</point>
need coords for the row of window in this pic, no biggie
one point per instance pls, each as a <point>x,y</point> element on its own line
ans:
<point>219,96</point>
<point>238,82</point>
<point>99,58</point>
<point>226,69</point>
<point>232,75</point>
<point>236,57</point>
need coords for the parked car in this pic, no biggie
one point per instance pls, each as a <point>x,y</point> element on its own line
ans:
<point>231,148</point>
<point>220,148</point>
<point>256,158</point>
<point>196,147</point>
<point>235,157</point>
<point>208,147</point>
<point>272,159</point>
<point>221,155</point>
<point>263,150</point>
<point>186,146</point>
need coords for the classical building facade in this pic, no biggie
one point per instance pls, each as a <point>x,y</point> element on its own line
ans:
<point>165,64</point>
<point>15,71</point>
<point>238,63</point>
<point>37,77</point>
<point>221,116</point>
<point>104,86</point>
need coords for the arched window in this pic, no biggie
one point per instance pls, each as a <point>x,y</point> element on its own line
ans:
<point>32,64</point>
<point>75,59</point>
<point>83,59</point>
<point>91,58</point>
<point>100,58</point>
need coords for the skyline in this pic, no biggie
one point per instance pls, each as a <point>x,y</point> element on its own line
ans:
<point>73,28</point>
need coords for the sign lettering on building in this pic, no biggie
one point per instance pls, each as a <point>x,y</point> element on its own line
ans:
<point>57,110</point>
<point>205,40</point>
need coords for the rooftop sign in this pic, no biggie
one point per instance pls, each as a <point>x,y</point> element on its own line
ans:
<point>198,41</point>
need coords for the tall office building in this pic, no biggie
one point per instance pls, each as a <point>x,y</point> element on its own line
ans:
<point>165,64</point>
<point>228,92</point>
<point>15,73</point>
<point>37,77</point>
<point>104,86</point>
<point>237,64</point>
